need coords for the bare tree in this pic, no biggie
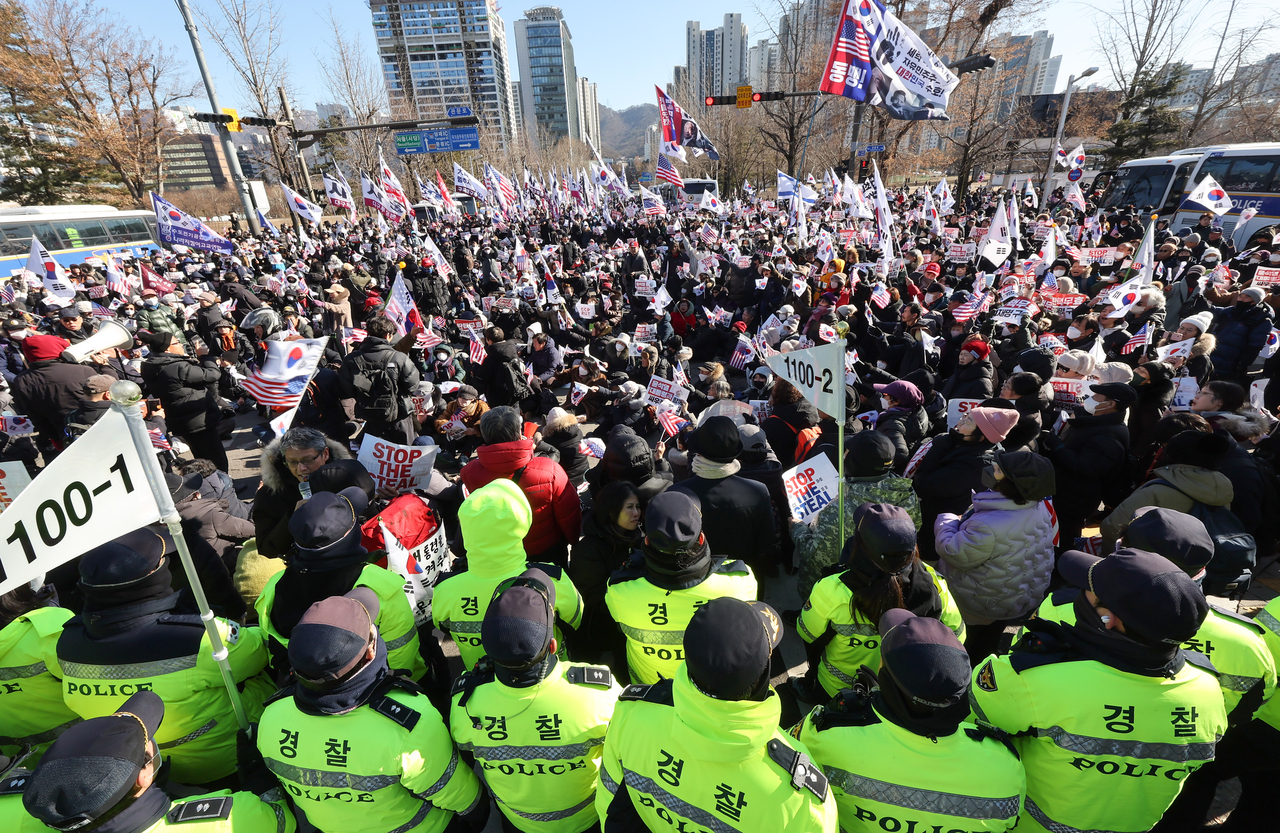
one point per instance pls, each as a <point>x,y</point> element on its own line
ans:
<point>353,80</point>
<point>251,34</point>
<point>1232,76</point>
<point>1138,39</point>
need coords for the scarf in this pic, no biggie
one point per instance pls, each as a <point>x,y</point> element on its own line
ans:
<point>708,470</point>
<point>108,621</point>
<point>1120,651</point>
<point>529,676</point>
<point>665,571</point>
<point>349,694</point>
<point>139,813</point>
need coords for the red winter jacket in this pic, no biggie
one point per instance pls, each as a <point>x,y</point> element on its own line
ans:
<point>557,512</point>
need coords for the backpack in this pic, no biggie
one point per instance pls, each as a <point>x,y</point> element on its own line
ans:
<point>805,440</point>
<point>377,388</point>
<point>1234,550</point>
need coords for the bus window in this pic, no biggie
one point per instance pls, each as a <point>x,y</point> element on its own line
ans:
<point>1178,188</point>
<point>1249,173</point>
<point>1142,186</point>
<point>11,240</point>
<point>84,233</point>
<point>127,229</point>
<point>18,237</point>
<point>1215,167</point>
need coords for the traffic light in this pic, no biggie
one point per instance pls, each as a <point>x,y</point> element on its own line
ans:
<point>864,169</point>
<point>774,96</point>
<point>215,118</point>
<point>842,169</point>
<point>974,63</point>
<point>713,100</point>
<point>254,121</point>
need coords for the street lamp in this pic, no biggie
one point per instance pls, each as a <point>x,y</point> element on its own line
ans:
<point>1057,138</point>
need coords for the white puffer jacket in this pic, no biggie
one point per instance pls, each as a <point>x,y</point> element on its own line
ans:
<point>998,557</point>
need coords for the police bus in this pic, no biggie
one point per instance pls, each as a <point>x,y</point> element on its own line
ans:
<point>72,233</point>
<point>691,192</point>
<point>1157,183</point>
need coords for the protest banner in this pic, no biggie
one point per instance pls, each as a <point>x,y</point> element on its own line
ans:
<point>647,333</point>
<point>646,288</point>
<point>1105,256</point>
<point>466,326</point>
<point>660,389</point>
<point>13,479</point>
<point>422,407</point>
<point>817,373</point>
<point>420,567</point>
<point>395,466</point>
<point>760,408</point>
<point>917,458</point>
<point>1067,392</point>
<point>1188,387</point>
<point>1053,343</point>
<point>957,408</point>
<point>810,486</point>
<point>1065,304</point>
<point>962,252</point>
<point>1266,276</point>
<point>951,231</point>
<point>78,501</point>
<point>1041,231</point>
<point>585,311</point>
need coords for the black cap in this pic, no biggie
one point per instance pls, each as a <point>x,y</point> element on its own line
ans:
<point>1197,448</point>
<point>326,530</point>
<point>521,620</point>
<point>925,658</point>
<point>1031,474</point>
<point>727,646</point>
<point>182,487</point>
<point>868,454</point>
<point>14,324</point>
<point>1123,395</point>
<point>336,475</point>
<point>1177,536</point>
<point>1152,596</point>
<point>884,534</point>
<point>94,765</point>
<point>717,440</point>
<point>673,520</point>
<point>158,342</point>
<point>331,638</point>
<point>127,559</point>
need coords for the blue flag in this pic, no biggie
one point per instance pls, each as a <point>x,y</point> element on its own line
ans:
<point>266,224</point>
<point>176,227</point>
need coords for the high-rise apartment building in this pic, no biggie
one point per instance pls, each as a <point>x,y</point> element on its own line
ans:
<point>548,76</point>
<point>588,112</point>
<point>762,64</point>
<point>437,55</point>
<point>716,59</point>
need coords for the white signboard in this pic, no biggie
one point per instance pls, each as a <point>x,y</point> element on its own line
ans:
<point>646,288</point>
<point>398,467</point>
<point>957,408</point>
<point>818,373</point>
<point>14,478</point>
<point>810,486</point>
<point>1188,387</point>
<point>661,390</point>
<point>79,501</point>
<point>419,567</point>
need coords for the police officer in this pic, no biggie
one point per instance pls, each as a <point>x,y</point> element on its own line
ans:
<point>535,724</point>
<point>653,600</point>
<point>1109,714</point>
<point>703,750</point>
<point>14,818</point>
<point>494,520</point>
<point>128,639</point>
<point>1255,758</point>
<point>328,561</point>
<point>106,774</point>
<point>881,570</point>
<point>897,747</point>
<point>32,712</point>
<point>356,746</point>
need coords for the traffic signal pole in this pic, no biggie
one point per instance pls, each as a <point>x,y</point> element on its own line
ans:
<point>228,149</point>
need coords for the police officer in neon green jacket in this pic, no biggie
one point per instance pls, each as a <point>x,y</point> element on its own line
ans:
<point>494,519</point>
<point>328,561</point>
<point>357,747</point>
<point>534,723</point>
<point>703,751</point>
<point>32,712</point>
<point>897,748</point>
<point>881,569</point>
<point>105,775</point>
<point>652,601</point>
<point>131,637</point>
<point>1109,714</point>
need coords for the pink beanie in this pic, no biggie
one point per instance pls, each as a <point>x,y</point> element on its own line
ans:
<point>994,423</point>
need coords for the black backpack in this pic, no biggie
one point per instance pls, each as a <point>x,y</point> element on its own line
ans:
<point>1235,553</point>
<point>377,388</point>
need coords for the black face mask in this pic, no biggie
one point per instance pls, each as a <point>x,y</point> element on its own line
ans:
<point>1243,305</point>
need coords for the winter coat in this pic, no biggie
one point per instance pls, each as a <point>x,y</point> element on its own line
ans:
<point>1241,336</point>
<point>948,475</point>
<point>595,557</point>
<point>997,557</point>
<point>1250,503</point>
<point>547,360</point>
<point>160,320</point>
<point>219,486</point>
<point>501,375</point>
<point>970,381</point>
<point>818,544</point>
<point>449,370</point>
<point>337,312</point>
<point>450,410</point>
<point>737,516</point>
<point>557,512</point>
<point>1090,455</point>
<point>566,436</point>
<point>210,520</point>
<point>907,428</point>
<point>375,351</point>
<point>276,497</point>
<point>48,391</point>
<point>1153,400</point>
<point>205,320</point>
<point>784,425</point>
<point>628,457</point>
<point>323,408</point>
<point>187,388</point>
<point>1190,484</point>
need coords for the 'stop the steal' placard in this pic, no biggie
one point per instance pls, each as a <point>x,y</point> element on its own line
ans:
<point>398,467</point>
<point>811,486</point>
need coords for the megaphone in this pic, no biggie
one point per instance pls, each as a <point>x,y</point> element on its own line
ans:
<point>110,334</point>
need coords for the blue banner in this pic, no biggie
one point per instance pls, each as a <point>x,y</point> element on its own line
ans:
<point>178,228</point>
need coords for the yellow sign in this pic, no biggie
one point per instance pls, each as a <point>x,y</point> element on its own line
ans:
<point>234,124</point>
<point>744,97</point>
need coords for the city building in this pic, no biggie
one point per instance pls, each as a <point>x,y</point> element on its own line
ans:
<point>762,64</point>
<point>588,111</point>
<point>439,55</point>
<point>324,112</point>
<point>548,75</point>
<point>181,117</point>
<point>652,142</point>
<point>1261,80</point>
<point>716,59</point>
<point>1191,85</point>
<point>518,106</point>
<point>194,160</point>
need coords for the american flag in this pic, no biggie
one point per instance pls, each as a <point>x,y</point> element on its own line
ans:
<point>667,172</point>
<point>881,297</point>
<point>351,335</point>
<point>116,281</point>
<point>972,308</point>
<point>742,353</point>
<point>428,339</point>
<point>853,39</point>
<point>671,422</point>
<point>438,322</point>
<point>1138,340</point>
<point>99,311</point>
<point>478,353</point>
<point>276,394</point>
<point>1050,283</point>
<point>677,375</point>
<point>708,235</point>
<point>228,307</point>
<point>286,372</point>
<point>159,441</point>
<point>8,294</point>
<point>402,250</point>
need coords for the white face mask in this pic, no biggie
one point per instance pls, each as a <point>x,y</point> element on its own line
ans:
<point>1009,329</point>
<point>1073,332</point>
<point>884,403</point>
<point>1274,258</point>
<point>1091,405</point>
<point>1059,272</point>
<point>702,376</point>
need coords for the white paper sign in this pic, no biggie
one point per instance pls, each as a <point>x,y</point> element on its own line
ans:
<point>660,389</point>
<point>395,466</point>
<point>79,501</point>
<point>1188,387</point>
<point>810,486</point>
<point>646,288</point>
<point>13,479</point>
<point>585,311</point>
<point>818,373</point>
<point>419,567</point>
<point>957,408</point>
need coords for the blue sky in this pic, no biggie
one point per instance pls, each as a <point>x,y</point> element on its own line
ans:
<point>625,47</point>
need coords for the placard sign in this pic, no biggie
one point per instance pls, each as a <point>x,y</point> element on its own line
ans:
<point>963,252</point>
<point>957,408</point>
<point>395,466</point>
<point>646,288</point>
<point>1102,257</point>
<point>1187,389</point>
<point>1266,276</point>
<point>662,390</point>
<point>419,567</point>
<point>647,333</point>
<point>585,311</point>
<point>817,372</point>
<point>1067,392</point>
<point>467,326</point>
<point>13,479</point>
<point>1065,304</point>
<point>810,486</point>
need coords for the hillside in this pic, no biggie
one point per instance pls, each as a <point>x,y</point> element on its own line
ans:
<point>623,131</point>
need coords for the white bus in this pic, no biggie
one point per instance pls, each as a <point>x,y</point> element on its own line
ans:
<point>72,233</point>
<point>691,192</point>
<point>1250,174</point>
<point>1153,184</point>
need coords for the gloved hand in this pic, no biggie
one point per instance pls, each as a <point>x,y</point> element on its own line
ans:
<point>250,766</point>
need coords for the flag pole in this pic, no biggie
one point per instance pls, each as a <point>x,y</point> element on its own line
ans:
<point>126,397</point>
